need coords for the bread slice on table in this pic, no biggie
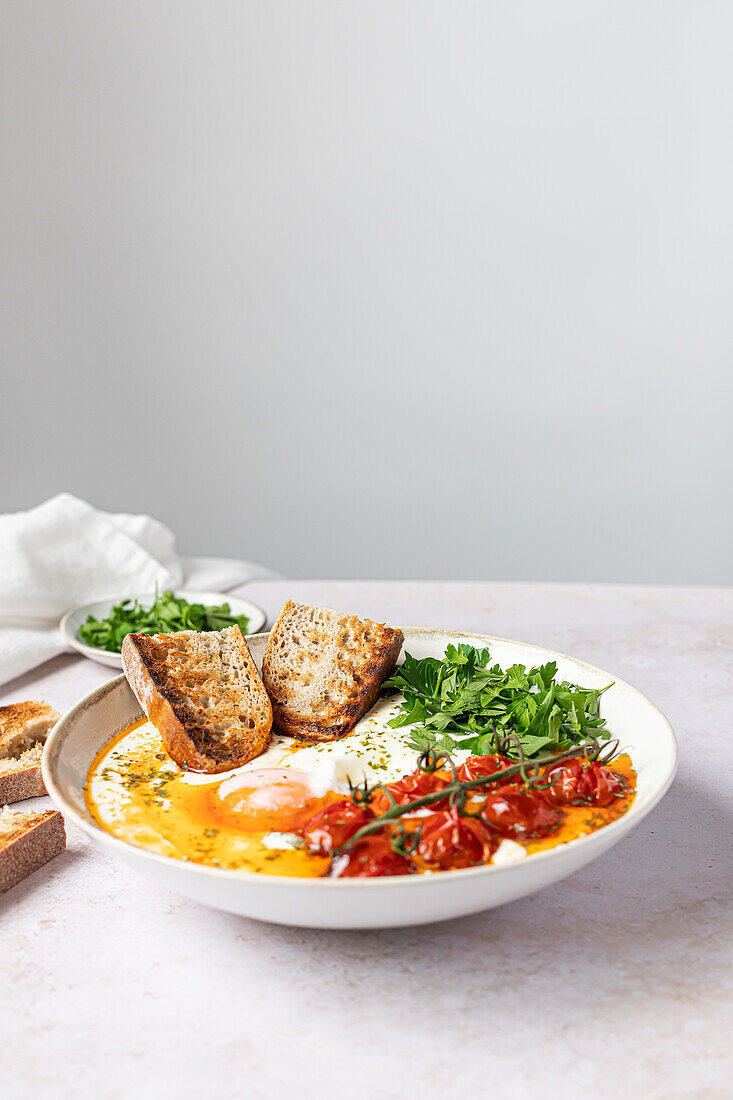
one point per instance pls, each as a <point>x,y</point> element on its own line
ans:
<point>203,692</point>
<point>27,841</point>
<point>323,669</point>
<point>24,728</point>
<point>22,778</point>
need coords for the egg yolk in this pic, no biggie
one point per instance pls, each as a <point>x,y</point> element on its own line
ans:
<point>268,799</point>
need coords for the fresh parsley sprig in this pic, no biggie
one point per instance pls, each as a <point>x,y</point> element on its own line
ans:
<point>167,615</point>
<point>462,701</point>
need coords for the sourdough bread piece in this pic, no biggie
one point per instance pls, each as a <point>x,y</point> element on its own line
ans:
<point>27,841</point>
<point>22,778</point>
<point>24,728</point>
<point>204,693</point>
<point>323,669</point>
<point>22,725</point>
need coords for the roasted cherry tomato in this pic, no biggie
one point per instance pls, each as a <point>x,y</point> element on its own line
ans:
<point>512,812</point>
<point>371,857</point>
<point>579,783</point>
<point>449,840</point>
<point>334,825</point>
<point>477,766</point>
<point>408,789</point>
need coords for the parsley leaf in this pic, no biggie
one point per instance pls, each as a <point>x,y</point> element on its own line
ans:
<point>168,615</point>
<point>463,699</point>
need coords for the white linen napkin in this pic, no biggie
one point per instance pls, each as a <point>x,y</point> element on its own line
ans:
<point>65,552</point>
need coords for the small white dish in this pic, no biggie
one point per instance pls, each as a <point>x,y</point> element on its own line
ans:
<point>642,729</point>
<point>75,618</point>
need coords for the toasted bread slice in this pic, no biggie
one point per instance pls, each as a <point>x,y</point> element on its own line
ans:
<point>323,669</point>
<point>204,693</point>
<point>22,725</point>
<point>22,778</point>
<point>27,841</point>
<point>23,731</point>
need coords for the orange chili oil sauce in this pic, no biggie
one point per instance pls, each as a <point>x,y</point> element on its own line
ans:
<point>581,820</point>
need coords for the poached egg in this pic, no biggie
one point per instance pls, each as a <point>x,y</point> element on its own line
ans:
<point>248,817</point>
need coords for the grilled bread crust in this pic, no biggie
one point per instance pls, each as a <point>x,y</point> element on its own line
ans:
<point>203,693</point>
<point>27,841</point>
<point>323,670</point>
<point>21,778</point>
<point>24,728</point>
<point>22,725</point>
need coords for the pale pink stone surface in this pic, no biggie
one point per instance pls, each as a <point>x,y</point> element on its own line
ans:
<point>616,982</point>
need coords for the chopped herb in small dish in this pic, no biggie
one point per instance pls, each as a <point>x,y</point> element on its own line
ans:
<point>167,615</point>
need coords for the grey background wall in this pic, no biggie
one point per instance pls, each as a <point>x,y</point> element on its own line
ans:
<point>376,289</point>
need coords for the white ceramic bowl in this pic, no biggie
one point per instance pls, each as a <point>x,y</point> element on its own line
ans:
<point>75,618</point>
<point>643,730</point>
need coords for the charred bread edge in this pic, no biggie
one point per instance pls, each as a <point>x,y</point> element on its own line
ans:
<point>161,713</point>
<point>308,730</point>
<point>158,707</point>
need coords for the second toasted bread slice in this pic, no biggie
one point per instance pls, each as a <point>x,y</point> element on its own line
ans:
<point>23,725</point>
<point>27,841</point>
<point>204,693</point>
<point>323,669</point>
<point>21,777</point>
<point>24,728</point>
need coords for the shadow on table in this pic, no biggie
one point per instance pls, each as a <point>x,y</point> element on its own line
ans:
<point>657,905</point>
<point>38,879</point>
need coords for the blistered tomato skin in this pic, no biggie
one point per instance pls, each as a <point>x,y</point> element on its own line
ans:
<point>334,825</point>
<point>516,814</point>
<point>408,789</point>
<point>578,783</point>
<point>370,858</point>
<point>478,766</point>
<point>448,840</point>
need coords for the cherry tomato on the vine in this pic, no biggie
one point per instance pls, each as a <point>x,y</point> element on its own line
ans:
<point>448,840</point>
<point>334,825</point>
<point>478,766</point>
<point>369,858</point>
<point>408,789</point>
<point>513,812</point>
<point>583,783</point>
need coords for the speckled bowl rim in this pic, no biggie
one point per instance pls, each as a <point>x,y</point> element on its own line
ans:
<point>637,812</point>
